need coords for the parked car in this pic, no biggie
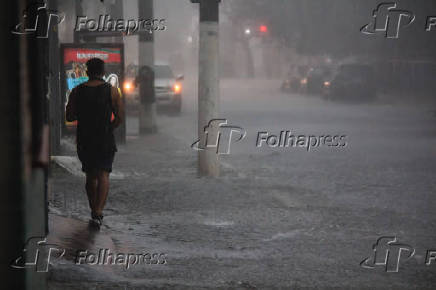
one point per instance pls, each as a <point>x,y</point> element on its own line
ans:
<point>296,79</point>
<point>353,82</point>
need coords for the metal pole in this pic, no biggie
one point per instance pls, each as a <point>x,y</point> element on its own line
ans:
<point>147,114</point>
<point>79,12</point>
<point>208,85</point>
<point>116,11</point>
<point>55,100</point>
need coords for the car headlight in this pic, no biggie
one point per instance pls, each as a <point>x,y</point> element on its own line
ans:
<point>303,81</point>
<point>128,86</point>
<point>326,84</point>
<point>177,88</point>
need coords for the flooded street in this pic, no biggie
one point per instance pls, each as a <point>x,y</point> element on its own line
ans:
<point>205,144</point>
<point>278,215</point>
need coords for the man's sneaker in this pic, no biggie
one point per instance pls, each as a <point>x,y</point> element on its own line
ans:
<point>95,223</point>
<point>96,220</point>
<point>100,220</point>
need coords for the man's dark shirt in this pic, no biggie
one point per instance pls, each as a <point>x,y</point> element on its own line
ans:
<point>94,129</point>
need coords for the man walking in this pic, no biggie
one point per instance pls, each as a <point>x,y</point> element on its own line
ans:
<point>92,105</point>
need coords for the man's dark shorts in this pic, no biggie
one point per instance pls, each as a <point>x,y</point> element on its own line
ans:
<point>95,161</point>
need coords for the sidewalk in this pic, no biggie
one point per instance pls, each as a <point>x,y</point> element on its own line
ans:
<point>258,229</point>
<point>155,204</point>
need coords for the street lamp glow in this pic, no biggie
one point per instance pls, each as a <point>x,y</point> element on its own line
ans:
<point>247,31</point>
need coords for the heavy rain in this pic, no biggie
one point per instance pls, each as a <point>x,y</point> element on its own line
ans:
<point>205,144</point>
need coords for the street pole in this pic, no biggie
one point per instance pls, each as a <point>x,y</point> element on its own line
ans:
<point>208,85</point>
<point>14,126</point>
<point>79,12</point>
<point>147,114</point>
<point>55,100</point>
<point>116,11</point>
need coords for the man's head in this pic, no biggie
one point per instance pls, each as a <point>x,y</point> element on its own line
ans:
<point>95,68</point>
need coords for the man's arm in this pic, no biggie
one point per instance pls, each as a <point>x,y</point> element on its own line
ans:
<point>70,113</point>
<point>118,107</point>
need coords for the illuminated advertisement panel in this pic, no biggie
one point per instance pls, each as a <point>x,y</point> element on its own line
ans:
<point>74,58</point>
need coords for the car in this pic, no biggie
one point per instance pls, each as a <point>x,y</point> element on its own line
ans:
<point>131,92</point>
<point>315,79</point>
<point>168,88</point>
<point>295,81</point>
<point>353,82</point>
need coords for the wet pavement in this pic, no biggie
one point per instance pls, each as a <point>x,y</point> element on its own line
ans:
<point>277,217</point>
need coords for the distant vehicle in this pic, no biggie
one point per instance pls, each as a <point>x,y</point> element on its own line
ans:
<point>130,91</point>
<point>296,79</point>
<point>316,77</point>
<point>168,88</point>
<point>353,82</point>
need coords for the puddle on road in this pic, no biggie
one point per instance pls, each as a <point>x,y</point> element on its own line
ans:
<point>283,236</point>
<point>219,223</point>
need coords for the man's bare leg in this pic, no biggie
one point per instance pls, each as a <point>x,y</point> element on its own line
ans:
<point>91,190</point>
<point>102,190</point>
